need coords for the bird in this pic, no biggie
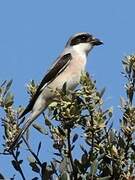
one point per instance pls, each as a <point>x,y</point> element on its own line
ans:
<point>67,68</point>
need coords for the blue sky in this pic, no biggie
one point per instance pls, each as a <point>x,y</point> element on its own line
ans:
<point>33,33</point>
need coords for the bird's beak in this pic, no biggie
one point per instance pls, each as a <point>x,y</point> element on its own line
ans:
<point>96,42</point>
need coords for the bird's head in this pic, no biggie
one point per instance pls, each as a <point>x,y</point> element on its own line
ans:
<point>83,42</point>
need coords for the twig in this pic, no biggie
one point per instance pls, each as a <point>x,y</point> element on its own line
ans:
<point>92,138</point>
<point>70,154</point>
<point>35,156</point>
<point>127,146</point>
<point>92,124</point>
<point>18,164</point>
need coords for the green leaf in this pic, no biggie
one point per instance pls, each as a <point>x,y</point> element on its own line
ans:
<point>47,171</point>
<point>47,122</point>
<point>3,83</point>
<point>83,149</point>
<point>39,128</point>
<point>72,147</point>
<point>7,87</point>
<point>0,90</point>
<point>53,104</point>
<point>79,166</point>
<point>65,176</point>
<point>34,166</point>
<point>9,99</point>
<point>17,154</point>
<point>57,154</point>
<point>33,83</point>
<point>121,142</point>
<point>123,102</point>
<point>39,147</point>
<point>104,178</point>
<point>20,161</point>
<point>94,168</point>
<point>31,159</point>
<point>35,178</point>
<point>84,159</point>
<point>75,138</point>
<point>15,165</point>
<point>110,112</point>
<point>102,92</point>
<point>1,177</point>
<point>64,88</point>
<point>61,131</point>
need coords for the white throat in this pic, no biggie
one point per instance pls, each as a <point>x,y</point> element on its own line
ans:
<point>82,49</point>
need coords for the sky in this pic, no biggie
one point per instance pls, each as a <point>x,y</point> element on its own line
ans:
<point>33,34</point>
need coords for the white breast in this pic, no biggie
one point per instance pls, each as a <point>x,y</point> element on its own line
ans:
<point>71,75</point>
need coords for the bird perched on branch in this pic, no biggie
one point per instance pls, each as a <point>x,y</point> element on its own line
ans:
<point>67,68</point>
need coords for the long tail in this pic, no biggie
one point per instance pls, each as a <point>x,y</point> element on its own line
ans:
<point>28,122</point>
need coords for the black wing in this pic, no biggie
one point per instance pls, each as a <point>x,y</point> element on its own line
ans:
<point>59,66</point>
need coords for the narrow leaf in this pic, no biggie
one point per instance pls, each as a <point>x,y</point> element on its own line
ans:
<point>34,166</point>
<point>9,99</point>
<point>64,88</point>
<point>7,87</point>
<point>57,154</point>
<point>35,178</point>
<point>39,128</point>
<point>61,131</point>
<point>75,138</point>
<point>65,176</point>
<point>72,147</point>
<point>1,176</point>
<point>20,162</point>
<point>15,165</point>
<point>102,92</point>
<point>39,147</point>
<point>104,178</point>
<point>47,122</point>
<point>94,167</point>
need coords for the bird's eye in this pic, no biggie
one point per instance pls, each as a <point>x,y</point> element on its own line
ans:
<point>80,39</point>
<point>83,37</point>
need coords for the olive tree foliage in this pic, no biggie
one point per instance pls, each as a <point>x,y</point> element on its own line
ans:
<point>76,120</point>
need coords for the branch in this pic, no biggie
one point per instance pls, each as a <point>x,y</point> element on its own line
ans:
<point>92,124</point>
<point>70,154</point>
<point>35,156</point>
<point>18,165</point>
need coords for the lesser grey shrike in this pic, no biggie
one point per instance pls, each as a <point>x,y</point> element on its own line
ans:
<point>67,68</point>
